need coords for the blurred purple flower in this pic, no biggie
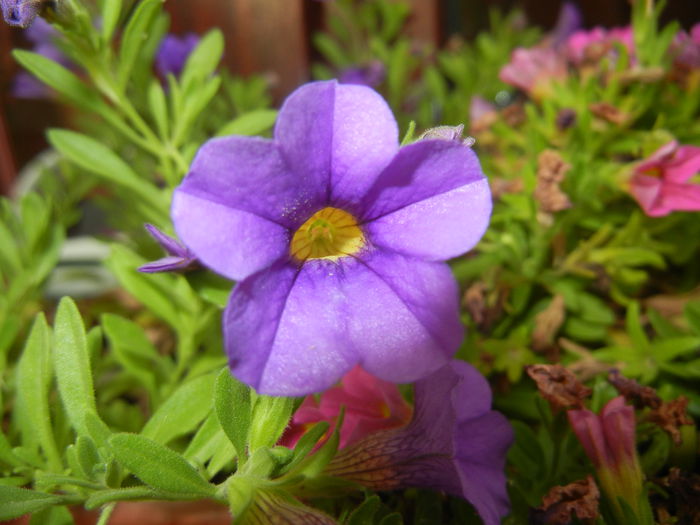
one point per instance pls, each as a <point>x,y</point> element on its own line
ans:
<point>21,13</point>
<point>370,75</point>
<point>173,53</point>
<point>568,22</point>
<point>686,47</point>
<point>455,443</point>
<point>660,184</point>
<point>337,237</point>
<point>179,258</point>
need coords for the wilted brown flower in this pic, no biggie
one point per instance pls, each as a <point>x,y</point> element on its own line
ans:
<point>558,386</point>
<point>551,170</point>
<point>670,415</point>
<point>579,498</point>
<point>640,396</point>
<point>609,113</point>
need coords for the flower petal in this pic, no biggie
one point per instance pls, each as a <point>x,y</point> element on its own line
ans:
<point>432,201</point>
<point>342,136</point>
<point>235,207</point>
<point>480,450</point>
<point>293,331</point>
<point>283,332</point>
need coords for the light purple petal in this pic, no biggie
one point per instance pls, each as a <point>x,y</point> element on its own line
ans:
<point>235,208</point>
<point>282,330</point>
<point>166,264</point>
<point>342,136</point>
<point>293,331</point>
<point>480,449</point>
<point>432,201</point>
<point>170,245</point>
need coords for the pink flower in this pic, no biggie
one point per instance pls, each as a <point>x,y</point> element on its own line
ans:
<point>371,404</point>
<point>686,47</point>
<point>598,42</point>
<point>660,183</point>
<point>533,70</point>
<point>610,443</point>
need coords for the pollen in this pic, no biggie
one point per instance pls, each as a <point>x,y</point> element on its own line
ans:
<point>330,233</point>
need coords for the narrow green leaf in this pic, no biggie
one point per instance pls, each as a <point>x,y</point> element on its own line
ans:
<point>111,10</point>
<point>52,516</point>
<point>306,444</point>
<point>158,466</point>
<point>204,58</point>
<point>135,35</point>
<point>72,365</point>
<point>102,497</point>
<point>183,410</point>
<point>16,502</point>
<point>87,455</point>
<point>251,123</point>
<point>97,158</point>
<point>97,429</point>
<point>233,410</point>
<point>159,107</point>
<point>33,382</point>
<point>59,78</point>
<point>270,418</point>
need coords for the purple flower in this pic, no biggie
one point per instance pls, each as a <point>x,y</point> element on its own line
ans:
<point>173,53</point>
<point>568,21</point>
<point>370,75</point>
<point>455,444</point>
<point>179,258</point>
<point>21,13</point>
<point>337,237</point>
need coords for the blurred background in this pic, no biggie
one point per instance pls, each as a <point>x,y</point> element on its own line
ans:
<point>275,38</point>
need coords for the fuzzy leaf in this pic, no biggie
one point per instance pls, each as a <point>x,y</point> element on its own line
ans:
<point>233,409</point>
<point>16,502</point>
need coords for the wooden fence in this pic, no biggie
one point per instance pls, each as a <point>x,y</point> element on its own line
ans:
<point>275,35</point>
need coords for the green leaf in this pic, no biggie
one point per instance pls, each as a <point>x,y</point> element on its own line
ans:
<point>16,502</point>
<point>72,365</point>
<point>364,513</point>
<point>34,376</point>
<point>52,516</point>
<point>158,466</point>
<point>111,10</point>
<point>182,411</point>
<point>270,418</point>
<point>159,107</point>
<point>135,36</point>
<point>233,410</point>
<point>203,60</point>
<point>306,443</point>
<point>59,78</point>
<point>134,352</point>
<point>97,158</point>
<point>251,123</point>
<point>87,455</point>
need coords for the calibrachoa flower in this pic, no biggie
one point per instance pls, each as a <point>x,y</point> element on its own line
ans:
<point>534,70</point>
<point>173,53</point>
<point>660,184</point>
<point>598,42</point>
<point>370,405</point>
<point>336,235</point>
<point>178,258</point>
<point>609,442</point>
<point>21,13</point>
<point>370,75</point>
<point>686,47</point>
<point>455,443</point>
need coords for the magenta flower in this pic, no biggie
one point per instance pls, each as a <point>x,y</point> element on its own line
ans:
<point>370,405</point>
<point>534,70</point>
<point>598,42</point>
<point>179,257</point>
<point>455,444</point>
<point>173,53</point>
<point>660,184</point>
<point>337,237</point>
<point>609,442</point>
<point>686,47</point>
<point>21,13</point>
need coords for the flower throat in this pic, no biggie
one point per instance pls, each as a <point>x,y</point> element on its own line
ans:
<point>330,233</point>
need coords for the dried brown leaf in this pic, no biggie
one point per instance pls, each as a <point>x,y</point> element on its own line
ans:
<point>558,386</point>
<point>670,416</point>
<point>579,498</point>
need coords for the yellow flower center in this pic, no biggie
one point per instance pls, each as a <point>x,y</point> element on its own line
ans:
<point>330,233</point>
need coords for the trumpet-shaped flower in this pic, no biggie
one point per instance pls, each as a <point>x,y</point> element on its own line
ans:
<point>660,184</point>
<point>455,443</point>
<point>370,405</point>
<point>173,53</point>
<point>337,237</point>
